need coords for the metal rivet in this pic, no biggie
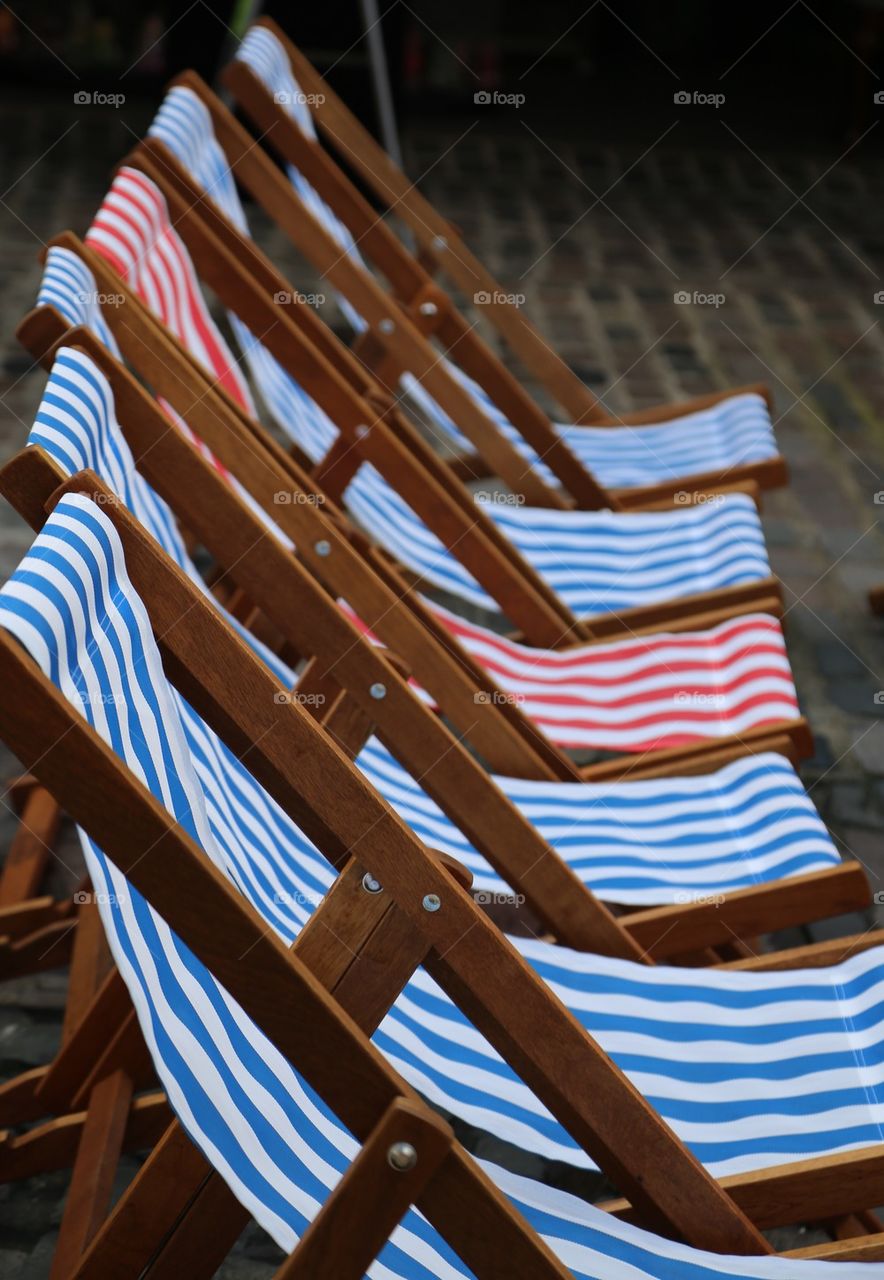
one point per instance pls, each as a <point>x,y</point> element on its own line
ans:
<point>402,1157</point>
<point>378,690</point>
<point>361,431</point>
<point>428,308</point>
<point>322,547</point>
<point>432,902</point>
<point>370,885</point>
<point>386,325</point>
<point>439,242</point>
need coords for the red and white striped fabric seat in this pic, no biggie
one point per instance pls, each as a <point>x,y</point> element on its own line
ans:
<point>642,693</point>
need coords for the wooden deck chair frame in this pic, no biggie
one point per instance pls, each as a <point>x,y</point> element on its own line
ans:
<point>175,876</point>
<point>441,246</point>
<point>247,283</point>
<point>306,773</point>
<point>432,310</point>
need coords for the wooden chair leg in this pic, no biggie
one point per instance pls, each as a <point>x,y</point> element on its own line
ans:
<point>94,1170</point>
<point>30,848</point>
<point>90,964</point>
<point>47,1147</point>
<point>876,600</point>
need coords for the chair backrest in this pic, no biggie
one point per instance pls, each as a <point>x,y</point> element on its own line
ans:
<point>227,685</point>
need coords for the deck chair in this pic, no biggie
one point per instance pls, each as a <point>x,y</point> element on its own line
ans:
<point>77,425</point>
<point>638,694</point>
<point>258,85</point>
<point>596,562</point>
<point>727,431</point>
<point>726,437</point>
<point>876,600</point>
<point>579,565</point>
<point>28,617</point>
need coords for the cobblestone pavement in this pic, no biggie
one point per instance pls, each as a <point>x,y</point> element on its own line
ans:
<point>798,310</point>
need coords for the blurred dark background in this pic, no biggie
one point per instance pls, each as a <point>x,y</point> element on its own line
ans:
<point>793,70</point>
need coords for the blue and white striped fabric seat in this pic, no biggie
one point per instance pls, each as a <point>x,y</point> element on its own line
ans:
<point>808,1103</point>
<point>596,561</point>
<point>277,1146</point>
<point>642,843</point>
<point>732,433</point>
<point>735,431</point>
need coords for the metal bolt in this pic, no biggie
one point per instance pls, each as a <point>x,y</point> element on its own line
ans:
<point>402,1157</point>
<point>432,902</point>
<point>361,431</point>
<point>370,885</point>
<point>439,242</point>
<point>322,547</point>
<point>386,325</point>
<point>428,308</point>
<point>378,690</point>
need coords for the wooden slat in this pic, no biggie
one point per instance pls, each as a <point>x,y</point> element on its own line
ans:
<point>362,1211</point>
<point>30,849</point>
<point>747,912</point>
<point>88,1195</point>
<point>53,1145</point>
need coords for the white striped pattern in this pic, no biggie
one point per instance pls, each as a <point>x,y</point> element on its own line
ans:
<point>732,433</point>
<point>595,561</point>
<point>453,1073</point>
<point>642,843</point>
<point>643,692</point>
<point>72,606</point>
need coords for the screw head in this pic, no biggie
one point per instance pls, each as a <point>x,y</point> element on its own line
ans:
<point>432,902</point>
<point>439,242</point>
<point>386,325</point>
<point>370,885</point>
<point>428,308</point>
<point>361,431</point>
<point>378,690</point>
<point>402,1157</point>
<point>322,547</point>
